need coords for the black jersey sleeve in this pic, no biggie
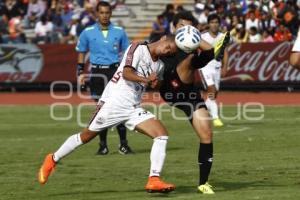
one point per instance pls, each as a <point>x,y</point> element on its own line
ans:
<point>202,59</point>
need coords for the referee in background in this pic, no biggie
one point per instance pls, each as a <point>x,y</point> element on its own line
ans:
<point>106,44</point>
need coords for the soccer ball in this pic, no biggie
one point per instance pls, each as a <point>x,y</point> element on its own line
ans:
<point>188,38</point>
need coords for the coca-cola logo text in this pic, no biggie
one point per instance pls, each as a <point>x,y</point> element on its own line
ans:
<point>262,62</point>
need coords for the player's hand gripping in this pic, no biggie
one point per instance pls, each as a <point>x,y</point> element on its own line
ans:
<point>152,80</point>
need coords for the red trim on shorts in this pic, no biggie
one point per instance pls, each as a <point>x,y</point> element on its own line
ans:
<point>98,108</point>
<point>129,56</point>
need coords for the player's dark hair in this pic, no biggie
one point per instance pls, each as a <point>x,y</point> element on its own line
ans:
<point>103,4</point>
<point>213,17</point>
<point>185,15</point>
<point>170,37</point>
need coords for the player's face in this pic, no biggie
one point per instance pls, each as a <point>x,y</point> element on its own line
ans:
<point>182,23</point>
<point>167,48</point>
<point>214,25</point>
<point>104,14</point>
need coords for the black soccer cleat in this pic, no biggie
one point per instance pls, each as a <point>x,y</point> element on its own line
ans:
<point>103,150</point>
<point>124,148</point>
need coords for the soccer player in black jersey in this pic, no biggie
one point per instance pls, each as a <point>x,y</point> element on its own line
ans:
<point>178,90</point>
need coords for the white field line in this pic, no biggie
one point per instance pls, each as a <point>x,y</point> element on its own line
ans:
<point>233,129</point>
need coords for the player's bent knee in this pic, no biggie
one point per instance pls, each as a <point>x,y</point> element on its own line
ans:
<point>206,138</point>
<point>87,135</point>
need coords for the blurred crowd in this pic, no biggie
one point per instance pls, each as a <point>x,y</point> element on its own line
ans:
<point>62,21</point>
<point>247,20</point>
<point>51,21</point>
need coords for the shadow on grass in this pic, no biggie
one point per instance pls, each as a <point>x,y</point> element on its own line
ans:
<point>229,186</point>
<point>182,189</point>
<point>119,192</point>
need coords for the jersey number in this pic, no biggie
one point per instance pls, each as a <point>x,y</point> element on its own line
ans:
<point>116,77</point>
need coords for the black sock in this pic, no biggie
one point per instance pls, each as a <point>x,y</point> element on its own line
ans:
<point>205,157</point>
<point>103,137</point>
<point>202,59</point>
<point>122,133</point>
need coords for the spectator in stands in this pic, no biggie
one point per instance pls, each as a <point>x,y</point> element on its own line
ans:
<point>55,13</point>
<point>201,12</point>
<point>282,34</point>
<point>254,35</point>
<point>3,28</point>
<point>235,20</point>
<point>88,16</point>
<point>169,12</point>
<point>43,30</point>
<point>15,30</point>
<point>36,8</point>
<point>12,9</point>
<point>66,13</point>
<point>252,21</point>
<point>267,36</point>
<point>277,7</point>
<point>72,34</point>
<point>233,10</point>
<point>198,8</point>
<point>202,18</point>
<point>267,23</point>
<point>159,28</point>
<point>266,6</point>
<point>289,16</point>
<point>239,34</point>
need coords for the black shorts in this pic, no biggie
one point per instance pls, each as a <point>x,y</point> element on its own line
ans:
<point>98,83</point>
<point>186,97</point>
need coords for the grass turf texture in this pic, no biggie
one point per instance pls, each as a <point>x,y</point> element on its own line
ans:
<point>260,161</point>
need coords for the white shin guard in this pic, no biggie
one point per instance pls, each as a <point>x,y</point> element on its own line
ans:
<point>158,154</point>
<point>67,147</point>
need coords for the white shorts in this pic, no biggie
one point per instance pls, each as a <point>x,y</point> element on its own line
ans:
<point>110,115</point>
<point>296,47</point>
<point>211,74</point>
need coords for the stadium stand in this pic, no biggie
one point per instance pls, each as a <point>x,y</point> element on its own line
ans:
<point>69,17</point>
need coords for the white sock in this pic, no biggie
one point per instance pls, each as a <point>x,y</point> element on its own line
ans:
<point>67,147</point>
<point>212,108</point>
<point>158,154</point>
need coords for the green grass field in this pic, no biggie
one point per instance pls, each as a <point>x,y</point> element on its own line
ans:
<point>253,159</point>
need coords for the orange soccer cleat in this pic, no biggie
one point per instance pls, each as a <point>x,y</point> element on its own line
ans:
<point>156,185</point>
<point>46,169</point>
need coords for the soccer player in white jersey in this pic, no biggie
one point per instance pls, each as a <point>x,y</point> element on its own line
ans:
<point>120,103</point>
<point>212,72</point>
<point>295,54</point>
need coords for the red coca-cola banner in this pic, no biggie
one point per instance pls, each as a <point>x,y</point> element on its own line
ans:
<point>260,63</point>
<point>251,63</point>
<point>59,63</point>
